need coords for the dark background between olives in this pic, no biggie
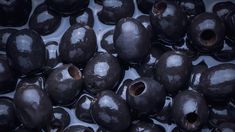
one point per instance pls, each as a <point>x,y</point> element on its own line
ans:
<point>100,29</point>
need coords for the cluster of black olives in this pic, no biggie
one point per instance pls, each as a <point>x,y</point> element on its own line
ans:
<point>50,80</point>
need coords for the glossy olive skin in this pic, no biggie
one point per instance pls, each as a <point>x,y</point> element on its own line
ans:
<point>168,21</point>
<point>196,75</point>
<point>107,42</point>
<point>131,40</point>
<point>26,51</point>
<point>146,69</point>
<point>86,18</point>
<point>143,126</point>
<point>78,128</point>
<point>192,7</point>
<point>225,127</point>
<point>114,10</point>
<point>222,9</point>
<point>78,44</point>
<point>52,54</point>
<point>206,33</point>
<point>8,77</point>
<point>230,23</point>
<point>145,6</point>
<point>64,84</point>
<point>4,35</point>
<point>82,108</point>
<point>190,110</point>
<point>67,7</point>
<point>123,88</point>
<point>38,80</point>
<point>8,117</point>
<point>146,96</point>
<point>217,83</point>
<point>177,69</point>
<point>102,72</point>
<point>61,118</point>
<point>14,12</point>
<point>110,111</point>
<point>31,99</point>
<point>43,21</point>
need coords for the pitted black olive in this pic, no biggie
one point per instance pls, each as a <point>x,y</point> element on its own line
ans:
<point>64,84</point>
<point>114,10</point>
<point>67,7</point>
<point>14,12</point>
<point>33,106</point>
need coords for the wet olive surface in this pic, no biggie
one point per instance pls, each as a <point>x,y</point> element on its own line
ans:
<point>100,29</point>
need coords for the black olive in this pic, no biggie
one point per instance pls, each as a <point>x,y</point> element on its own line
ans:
<point>145,6</point>
<point>26,52</point>
<point>33,106</point>
<point>192,7</point>
<point>217,83</point>
<point>67,7</point>
<point>230,23</point>
<point>110,112</point>
<point>196,75</point>
<point>14,12</point>
<point>165,115</point>
<point>114,10</point>
<point>177,69</point>
<point>43,21</point>
<point>52,54</point>
<point>8,117</point>
<point>99,1</point>
<point>143,126</point>
<point>223,8</point>
<point>146,96</point>
<point>22,128</point>
<point>102,72</point>
<point>107,42</point>
<point>82,108</point>
<point>145,20</point>
<point>78,128</point>
<point>64,84</point>
<point>4,35</point>
<point>61,118</point>
<point>169,22</point>
<point>220,114</point>
<point>8,77</point>
<point>190,110</point>
<point>37,80</point>
<point>225,127</point>
<point>78,44</point>
<point>131,40</point>
<point>86,18</point>
<point>206,33</point>
<point>224,55</point>
<point>146,69</point>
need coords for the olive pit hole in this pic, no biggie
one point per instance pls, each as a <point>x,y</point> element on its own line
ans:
<point>160,7</point>
<point>74,72</point>
<point>192,118</point>
<point>209,37</point>
<point>137,89</point>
